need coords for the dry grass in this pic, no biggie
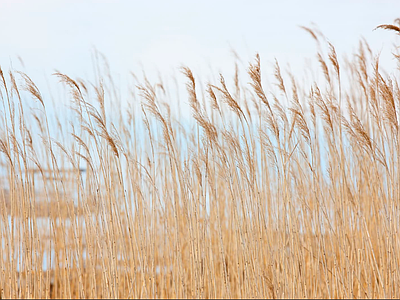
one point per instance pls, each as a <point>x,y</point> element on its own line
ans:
<point>287,191</point>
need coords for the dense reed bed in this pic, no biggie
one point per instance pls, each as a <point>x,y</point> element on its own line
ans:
<point>277,186</point>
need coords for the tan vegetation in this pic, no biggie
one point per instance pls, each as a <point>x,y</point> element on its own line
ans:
<point>288,189</point>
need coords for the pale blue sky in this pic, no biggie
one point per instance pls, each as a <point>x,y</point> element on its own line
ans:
<point>163,35</point>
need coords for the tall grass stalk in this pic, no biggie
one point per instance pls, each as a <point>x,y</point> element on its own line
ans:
<point>282,189</point>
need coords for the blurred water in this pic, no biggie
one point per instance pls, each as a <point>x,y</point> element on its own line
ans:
<point>20,249</point>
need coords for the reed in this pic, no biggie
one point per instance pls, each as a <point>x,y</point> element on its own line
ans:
<point>268,191</point>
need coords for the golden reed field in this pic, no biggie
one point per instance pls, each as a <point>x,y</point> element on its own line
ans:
<point>278,185</point>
